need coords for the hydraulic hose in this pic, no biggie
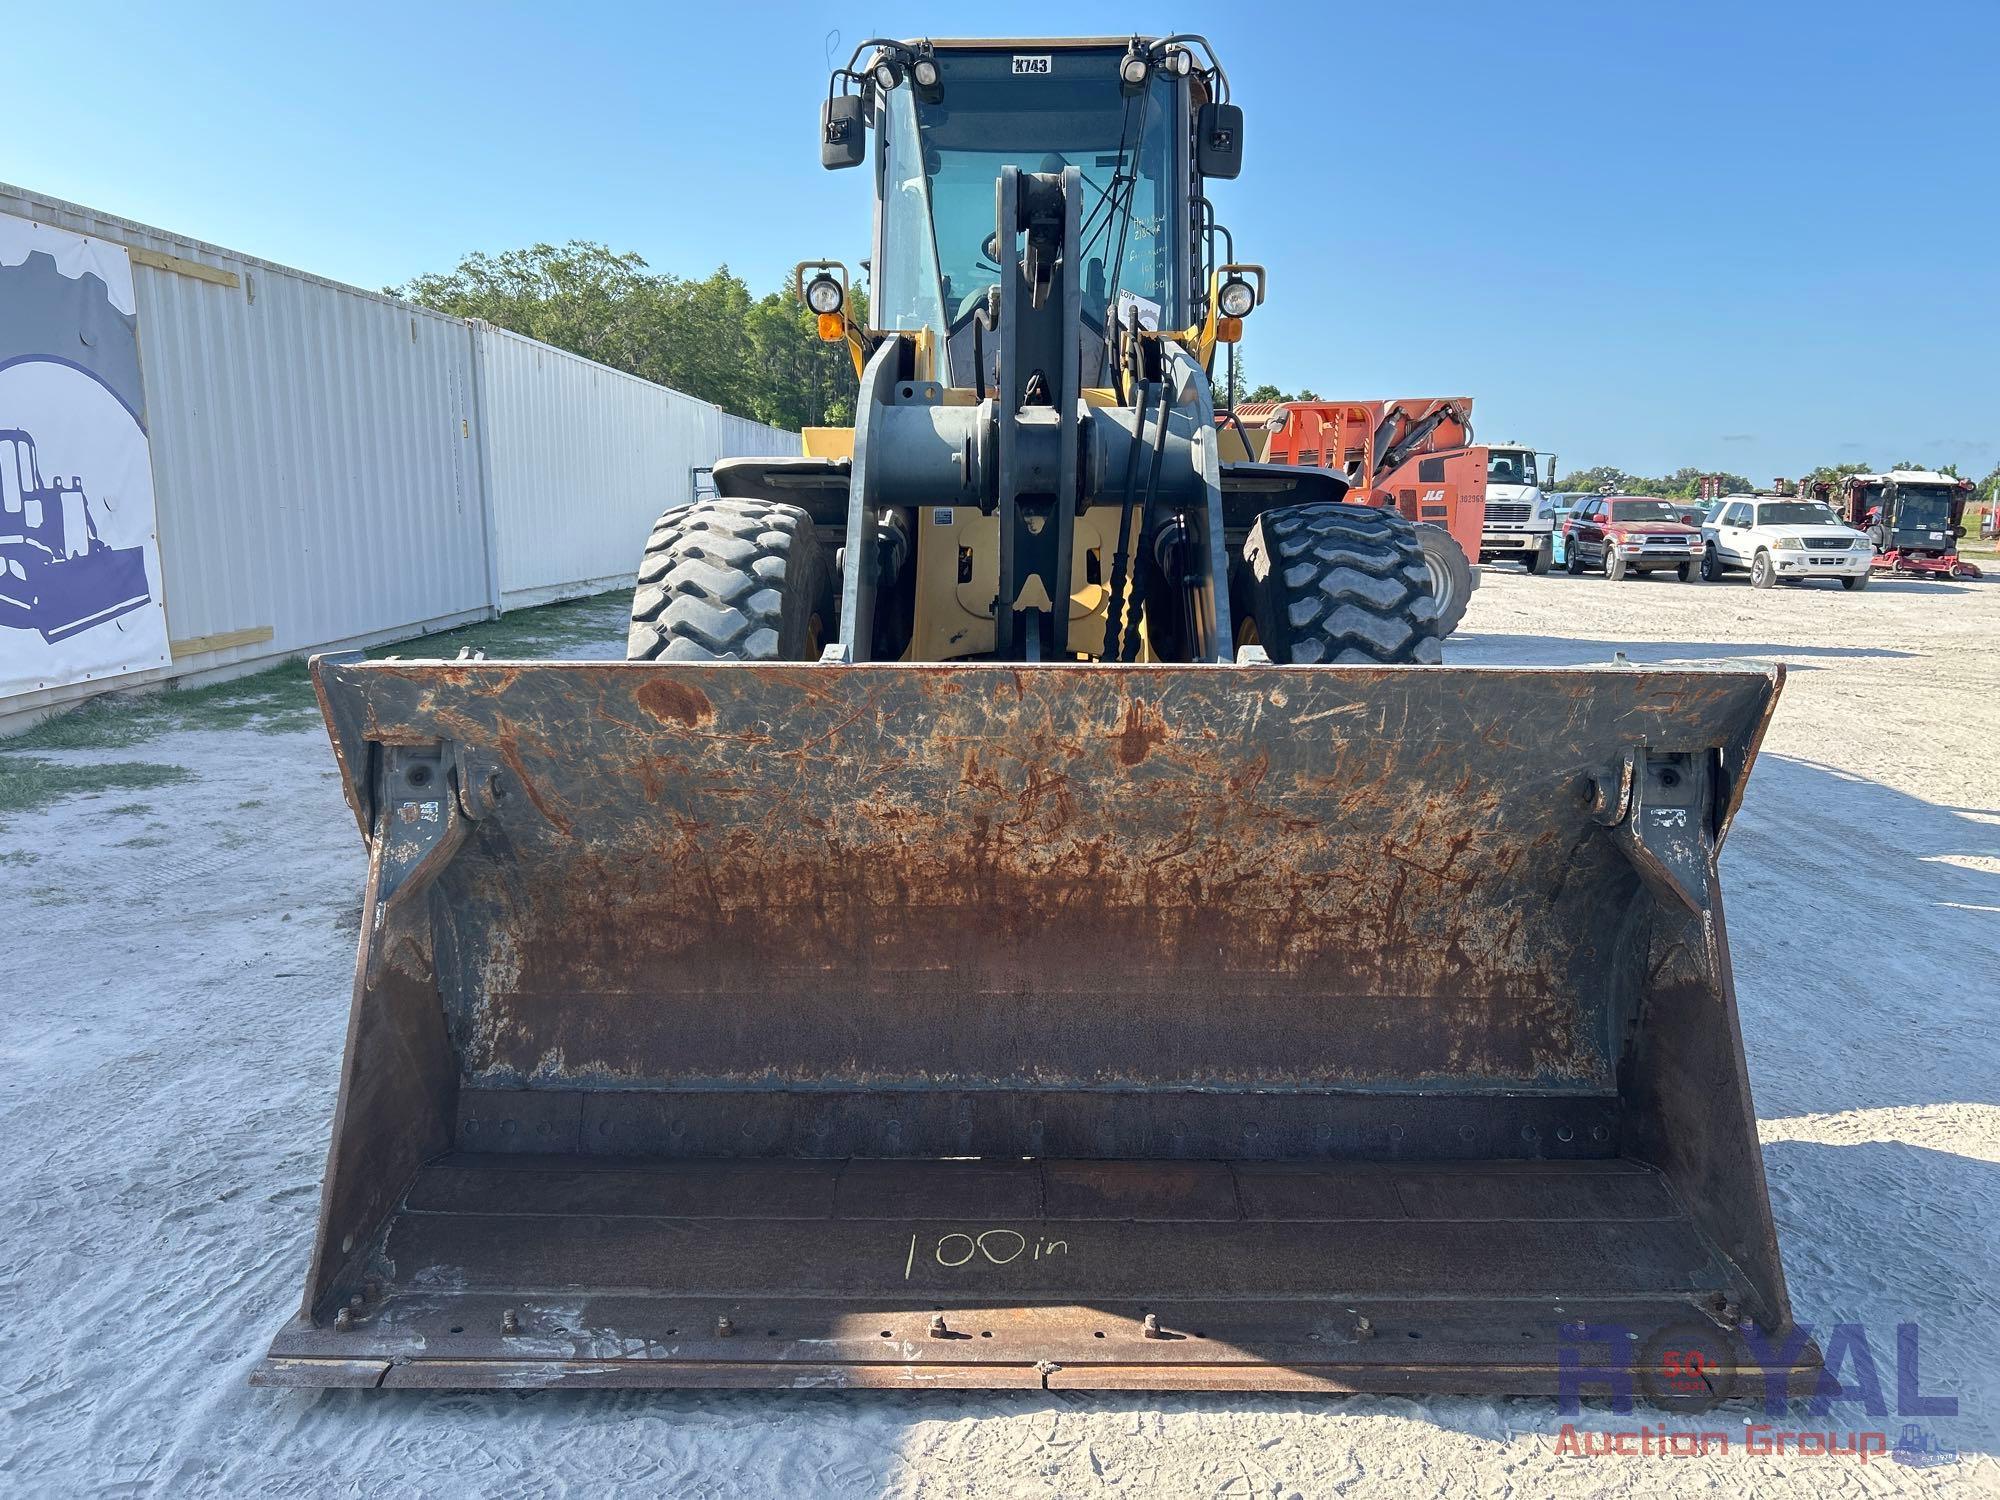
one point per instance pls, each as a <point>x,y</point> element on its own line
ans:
<point>1129,648</point>
<point>1114,613</point>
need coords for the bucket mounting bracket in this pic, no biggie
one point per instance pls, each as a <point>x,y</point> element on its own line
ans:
<point>1659,805</point>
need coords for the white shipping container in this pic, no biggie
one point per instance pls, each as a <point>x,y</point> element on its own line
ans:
<point>335,468</point>
<point>583,459</point>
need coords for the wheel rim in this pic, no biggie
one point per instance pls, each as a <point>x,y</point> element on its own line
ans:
<point>1610,559</point>
<point>1440,581</point>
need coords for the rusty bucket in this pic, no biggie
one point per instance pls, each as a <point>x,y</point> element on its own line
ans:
<point>1069,1025</point>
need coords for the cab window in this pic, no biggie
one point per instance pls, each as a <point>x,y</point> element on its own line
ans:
<point>10,480</point>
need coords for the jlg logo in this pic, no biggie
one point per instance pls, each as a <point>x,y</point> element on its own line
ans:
<point>1433,497</point>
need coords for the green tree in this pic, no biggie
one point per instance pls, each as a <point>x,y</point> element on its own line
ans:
<point>1683,484</point>
<point>1230,382</point>
<point>698,337</point>
<point>708,337</point>
<point>575,296</point>
<point>796,379</point>
<point>1590,481</point>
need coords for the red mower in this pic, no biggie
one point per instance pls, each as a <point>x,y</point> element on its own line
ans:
<point>1913,516</point>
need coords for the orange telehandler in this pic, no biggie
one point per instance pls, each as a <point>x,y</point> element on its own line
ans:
<point>1415,457</point>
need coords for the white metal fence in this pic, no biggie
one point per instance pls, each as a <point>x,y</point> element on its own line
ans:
<point>334,467</point>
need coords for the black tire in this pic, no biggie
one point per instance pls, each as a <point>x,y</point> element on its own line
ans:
<point>1711,565</point>
<point>1763,572</point>
<point>1686,573</point>
<point>1572,560</point>
<point>1538,560</point>
<point>1451,576</point>
<point>731,580</point>
<point>1853,581</point>
<point>1614,565</point>
<point>1339,583</point>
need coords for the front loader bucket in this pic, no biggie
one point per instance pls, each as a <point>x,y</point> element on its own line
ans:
<point>1072,1025</point>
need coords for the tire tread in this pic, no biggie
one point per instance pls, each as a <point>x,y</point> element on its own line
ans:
<point>720,579</point>
<point>1340,583</point>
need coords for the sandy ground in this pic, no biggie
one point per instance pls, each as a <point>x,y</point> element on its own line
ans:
<point>176,993</point>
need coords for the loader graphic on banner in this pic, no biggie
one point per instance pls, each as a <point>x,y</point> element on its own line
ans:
<point>1033,909</point>
<point>57,575</point>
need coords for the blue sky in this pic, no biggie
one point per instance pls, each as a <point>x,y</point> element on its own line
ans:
<point>1747,236</point>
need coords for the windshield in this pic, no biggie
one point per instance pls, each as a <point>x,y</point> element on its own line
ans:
<point>1926,508</point>
<point>1796,513</point>
<point>943,160</point>
<point>1644,510</point>
<point>1510,466</point>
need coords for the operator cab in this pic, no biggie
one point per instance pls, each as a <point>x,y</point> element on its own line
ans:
<point>1141,121</point>
<point>1923,507</point>
<point>1915,512</point>
<point>940,162</point>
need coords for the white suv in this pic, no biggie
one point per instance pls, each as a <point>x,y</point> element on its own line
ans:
<point>1779,537</point>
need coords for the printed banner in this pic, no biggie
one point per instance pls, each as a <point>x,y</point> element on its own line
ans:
<point>80,594</point>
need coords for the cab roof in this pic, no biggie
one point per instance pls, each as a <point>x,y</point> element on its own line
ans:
<point>1039,43</point>
<point>1908,476</point>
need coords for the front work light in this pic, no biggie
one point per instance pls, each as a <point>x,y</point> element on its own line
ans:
<point>823,295</point>
<point>1134,69</point>
<point>1236,298</point>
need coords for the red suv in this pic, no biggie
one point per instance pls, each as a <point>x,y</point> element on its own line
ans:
<point>1631,534</point>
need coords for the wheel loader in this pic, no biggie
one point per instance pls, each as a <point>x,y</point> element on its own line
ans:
<point>1034,910</point>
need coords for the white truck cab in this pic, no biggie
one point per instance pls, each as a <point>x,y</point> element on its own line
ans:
<point>1774,537</point>
<point>1520,521</point>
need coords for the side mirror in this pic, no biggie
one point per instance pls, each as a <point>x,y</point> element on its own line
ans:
<point>1218,141</point>
<point>843,133</point>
